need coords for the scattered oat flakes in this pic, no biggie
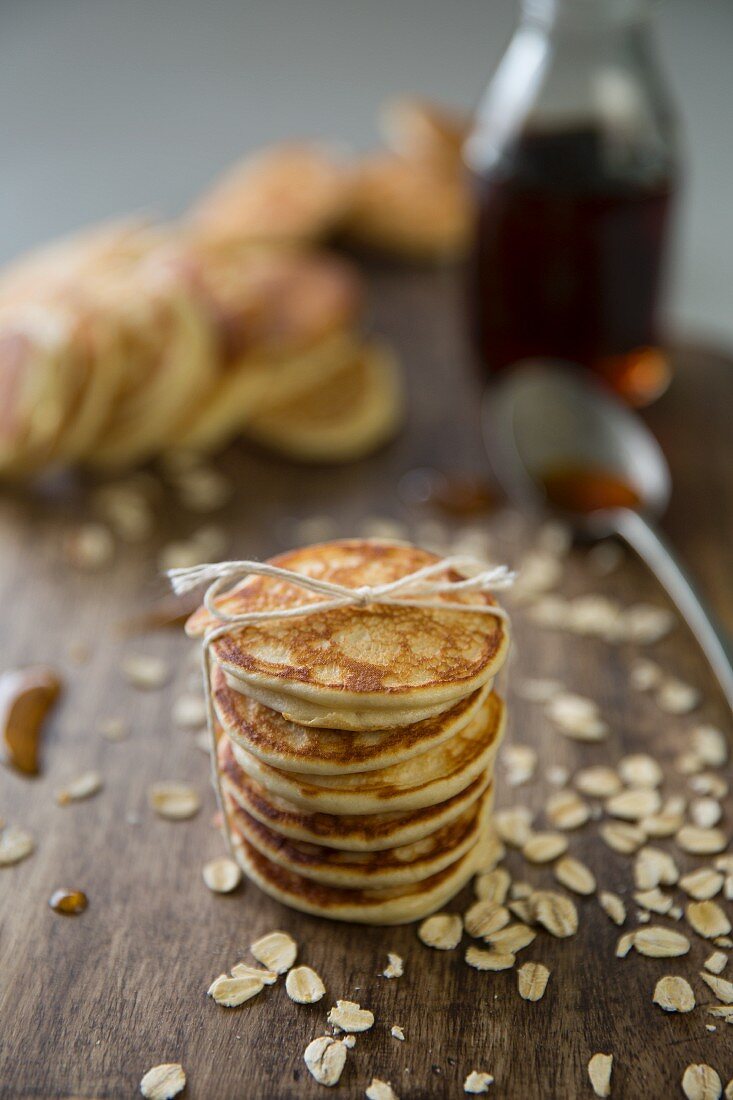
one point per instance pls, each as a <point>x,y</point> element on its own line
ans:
<point>709,783</point>
<point>654,867</point>
<point>277,951</point>
<point>717,962</point>
<point>232,992</point>
<point>489,960</point>
<point>189,711</point>
<point>84,786</point>
<point>395,967</point>
<point>532,980</point>
<point>145,671</point>
<point>705,812</point>
<point>676,697</point>
<point>599,1072</point>
<point>544,847</point>
<point>576,717</point>
<point>674,994</point>
<point>514,825</point>
<point>574,875</point>
<point>722,1012</point>
<point>113,729</point>
<point>708,919</point>
<point>538,691</point>
<point>555,912</point>
<point>598,781</point>
<point>724,864</point>
<point>634,804</point>
<point>654,900</point>
<point>622,837</point>
<point>701,1082</point>
<point>222,875</point>
<point>244,970</point>
<point>660,943</point>
<point>175,801</point>
<point>350,1016</point>
<point>666,823</point>
<point>442,931</point>
<point>325,1058</point>
<point>304,986</point>
<point>558,775</point>
<point>640,770</point>
<point>380,1090</point>
<point>15,844</point>
<point>477,1082</point>
<point>604,558</point>
<point>647,624</point>
<point>697,841</point>
<point>513,938</point>
<point>624,945</point>
<point>89,546</point>
<point>493,885</point>
<point>613,906</point>
<point>163,1082</point>
<point>520,761</point>
<point>485,917</point>
<point>567,810</point>
<point>710,745</point>
<point>645,675</point>
<point>397,1033</point>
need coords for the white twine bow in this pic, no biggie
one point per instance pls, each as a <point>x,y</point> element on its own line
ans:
<point>422,588</point>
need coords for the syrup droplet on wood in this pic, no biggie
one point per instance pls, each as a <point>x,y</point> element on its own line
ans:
<point>69,902</point>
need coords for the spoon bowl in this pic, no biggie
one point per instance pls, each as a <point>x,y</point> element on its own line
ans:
<point>549,416</point>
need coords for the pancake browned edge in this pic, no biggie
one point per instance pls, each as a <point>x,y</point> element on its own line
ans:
<point>356,667</point>
<point>266,734</point>
<point>423,780</point>
<point>401,866</point>
<point>399,905</point>
<point>349,832</point>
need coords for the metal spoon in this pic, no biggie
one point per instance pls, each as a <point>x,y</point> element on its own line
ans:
<point>546,415</point>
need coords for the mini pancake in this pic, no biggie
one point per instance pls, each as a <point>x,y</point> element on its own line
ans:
<point>409,209</point>
<point>342,417</point>
<point>309,750</point>
<point>422,780</point>
<point>347,832</point>
<point>356,667</point>
<point>401,866</point>
<point>248,387</point>
<point>285,192</point>
<point>395,905</point>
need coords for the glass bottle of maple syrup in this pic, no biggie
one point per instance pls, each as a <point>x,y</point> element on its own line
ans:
<point>573,159</point>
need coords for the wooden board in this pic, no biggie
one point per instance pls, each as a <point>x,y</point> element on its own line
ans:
<point>88,1004</point>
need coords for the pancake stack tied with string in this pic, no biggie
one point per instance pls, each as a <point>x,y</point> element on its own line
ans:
<point>354,722</point>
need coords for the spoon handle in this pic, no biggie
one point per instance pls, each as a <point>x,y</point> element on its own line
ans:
<point>652,549</point>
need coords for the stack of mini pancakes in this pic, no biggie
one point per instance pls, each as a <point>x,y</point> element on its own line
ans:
<point>355,746</point>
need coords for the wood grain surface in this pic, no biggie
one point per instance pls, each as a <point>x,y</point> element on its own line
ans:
<point>88,1004</point>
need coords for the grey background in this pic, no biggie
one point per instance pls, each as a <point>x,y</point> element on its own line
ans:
<point>108,106</point>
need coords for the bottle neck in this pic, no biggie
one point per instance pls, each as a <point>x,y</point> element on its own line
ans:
<point>586,16</point>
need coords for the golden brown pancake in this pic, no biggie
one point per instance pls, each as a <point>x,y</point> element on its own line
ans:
<point>422,780</point>
<point>408,209</point>
<point>286,192</point>
<point>396,905</point>
<point>310,750</point>
<point>341,417</point>
<point>347,832</point>
<point>401,866</point>
<point>352,667</point>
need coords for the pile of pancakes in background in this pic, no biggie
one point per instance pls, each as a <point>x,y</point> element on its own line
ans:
<point>356,746</point>
<point>130,339</point>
